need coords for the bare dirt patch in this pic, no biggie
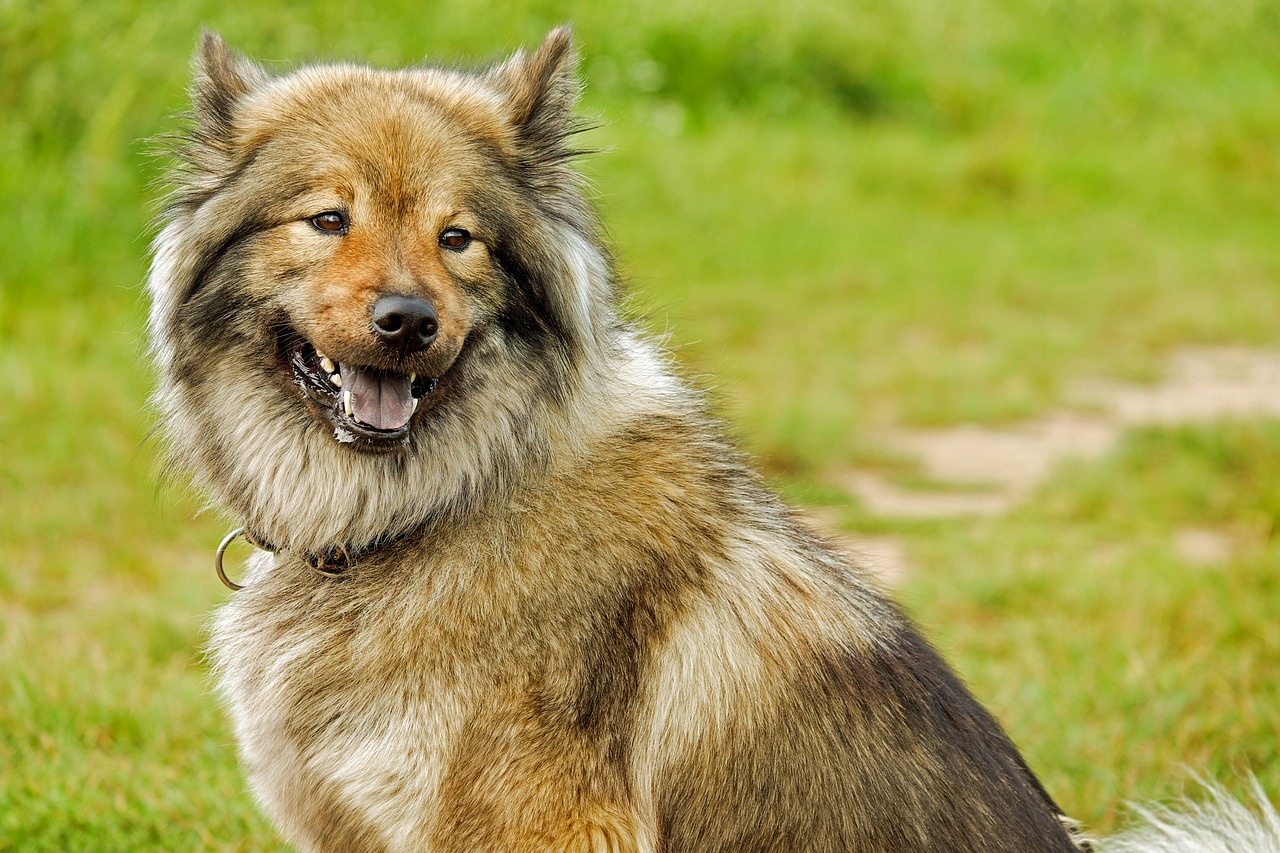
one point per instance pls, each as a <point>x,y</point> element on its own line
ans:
<point>987,471</point>
<point>1201,546</point>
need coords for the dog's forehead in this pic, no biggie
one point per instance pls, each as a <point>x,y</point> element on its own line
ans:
<point>398,132</point>
<point>352,91</point>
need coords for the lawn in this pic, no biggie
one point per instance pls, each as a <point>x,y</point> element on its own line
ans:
<point>847,219</point>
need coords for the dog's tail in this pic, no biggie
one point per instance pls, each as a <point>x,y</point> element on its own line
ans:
<point>1218,823</point>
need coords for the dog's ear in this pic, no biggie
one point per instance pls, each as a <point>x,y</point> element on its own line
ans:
<point>541,90</point>
<point>222,79</point>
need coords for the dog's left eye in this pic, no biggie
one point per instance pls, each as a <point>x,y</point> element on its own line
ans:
<point>455,239</point>
<point>331,222</point>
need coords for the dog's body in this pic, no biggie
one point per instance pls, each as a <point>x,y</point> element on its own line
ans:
<point>563,615</point>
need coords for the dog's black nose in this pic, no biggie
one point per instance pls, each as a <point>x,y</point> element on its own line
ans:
<point>405,324</point>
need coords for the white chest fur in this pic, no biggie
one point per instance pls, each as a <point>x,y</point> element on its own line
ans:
<point>336,699</point>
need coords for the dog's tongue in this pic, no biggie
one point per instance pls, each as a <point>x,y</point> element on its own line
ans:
<point>381,400</point>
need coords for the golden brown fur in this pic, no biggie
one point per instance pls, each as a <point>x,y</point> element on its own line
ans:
<point>575,621</point>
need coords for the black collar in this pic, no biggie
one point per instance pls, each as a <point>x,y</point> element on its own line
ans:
<point>331,562</point>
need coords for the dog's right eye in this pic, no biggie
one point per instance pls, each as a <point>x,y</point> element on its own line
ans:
<point>330,222</point>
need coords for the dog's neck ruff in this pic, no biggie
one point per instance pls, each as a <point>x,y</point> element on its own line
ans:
<point>330,563</point>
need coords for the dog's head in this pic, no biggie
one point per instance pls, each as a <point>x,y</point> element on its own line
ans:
<point>374,289</point>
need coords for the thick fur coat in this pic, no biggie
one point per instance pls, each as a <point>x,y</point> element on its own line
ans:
<point>558,612</point>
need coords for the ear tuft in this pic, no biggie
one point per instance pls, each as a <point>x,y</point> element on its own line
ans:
<point>221,80</point>
<point>542,89</point>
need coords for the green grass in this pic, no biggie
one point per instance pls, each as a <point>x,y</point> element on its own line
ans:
<point>1112,659</point>
<point>846,216</point>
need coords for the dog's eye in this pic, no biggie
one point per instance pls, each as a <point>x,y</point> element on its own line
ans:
<point>331,222</point>
<point>455,239</point>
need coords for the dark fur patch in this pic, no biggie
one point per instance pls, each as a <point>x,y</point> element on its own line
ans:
<point>880,749</point>
<point>215,256</point>
<point>526,312</point>
<point>222,315</point>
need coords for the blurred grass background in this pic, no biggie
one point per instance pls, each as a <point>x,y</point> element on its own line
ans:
<point>847,216</point>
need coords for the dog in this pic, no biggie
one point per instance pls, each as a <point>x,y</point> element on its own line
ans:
<point>515,589</point>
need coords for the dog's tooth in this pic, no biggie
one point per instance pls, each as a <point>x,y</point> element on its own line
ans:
<point>346,403</point>
<point>412,376</point>
<point>336,379</point>
<point>416,401</point>
<point>321,355</point>
<point>327,364</point>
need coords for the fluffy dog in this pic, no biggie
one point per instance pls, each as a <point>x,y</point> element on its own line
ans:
<point>516,591</point>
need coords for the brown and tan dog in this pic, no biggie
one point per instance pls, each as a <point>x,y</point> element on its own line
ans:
<point>517,592</point>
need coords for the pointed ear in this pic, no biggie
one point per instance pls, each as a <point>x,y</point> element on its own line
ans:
<point>221,80</point>
<point>542,89</point>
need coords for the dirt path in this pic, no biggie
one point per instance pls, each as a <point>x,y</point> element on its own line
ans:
<point>985,471</point>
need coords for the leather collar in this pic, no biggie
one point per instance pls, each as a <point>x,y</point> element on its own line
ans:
<point>330,563</point>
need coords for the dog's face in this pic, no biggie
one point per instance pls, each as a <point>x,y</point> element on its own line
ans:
<point>374,255</point>
<point>371,281</point>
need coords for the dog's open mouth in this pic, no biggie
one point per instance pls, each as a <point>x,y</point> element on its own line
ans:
<point>361,402</point>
